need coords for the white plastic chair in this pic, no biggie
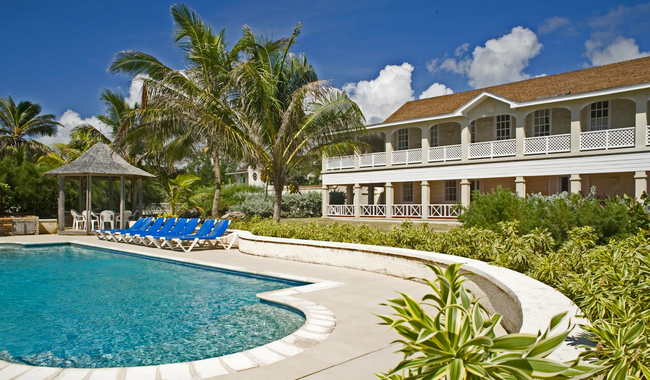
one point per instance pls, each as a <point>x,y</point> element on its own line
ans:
<point>94,219</point>
<point>107,216</point>
<point>78,220</point>
<point>127,215</point>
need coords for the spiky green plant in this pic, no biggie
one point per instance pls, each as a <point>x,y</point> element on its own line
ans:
<point>451,336</point>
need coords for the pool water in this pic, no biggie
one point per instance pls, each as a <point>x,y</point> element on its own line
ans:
<point>70,306</point>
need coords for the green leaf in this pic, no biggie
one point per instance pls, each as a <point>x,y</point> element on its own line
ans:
<point>546,346</point>
<point>536,367</point>
<point>456,370</point>
<point>514,342</point>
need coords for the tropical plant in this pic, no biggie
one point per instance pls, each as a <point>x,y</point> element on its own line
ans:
<point>188,112</point>
<point>180,195</point>
<point>21,123</point>
<point>290,114</point>
<point>451,336</point>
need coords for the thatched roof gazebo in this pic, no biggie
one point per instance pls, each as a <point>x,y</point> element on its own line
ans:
<point>102,163</point>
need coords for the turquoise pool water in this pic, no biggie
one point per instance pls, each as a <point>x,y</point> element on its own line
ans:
<point>69,306</point>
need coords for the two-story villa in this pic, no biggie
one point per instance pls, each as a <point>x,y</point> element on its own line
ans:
<point>564,132</point>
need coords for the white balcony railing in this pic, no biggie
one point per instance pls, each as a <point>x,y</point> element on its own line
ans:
<point>408,211</point>
<point>340,210</point>
<point>607,139</point>
<point>491,149</point>
<point>407,156</point>
<point>547,144</point>
<point>647,135</point>
<point>444,211</point>
<point>373,210</point>
<point>445,153</point>
<point>371,160</point>
<point>340,162</point>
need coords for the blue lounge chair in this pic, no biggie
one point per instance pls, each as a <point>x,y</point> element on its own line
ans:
<point>155,227</point>
<point>159,240</point>
<point>148,239</point>
<point>206,227</point>
<point>139,225</point>
<point>216,235</point>
<point>138,237</point>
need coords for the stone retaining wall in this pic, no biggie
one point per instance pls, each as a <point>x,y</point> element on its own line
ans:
<point>7,224</point>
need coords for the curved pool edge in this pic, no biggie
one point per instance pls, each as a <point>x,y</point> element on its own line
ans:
<point>319,323</point>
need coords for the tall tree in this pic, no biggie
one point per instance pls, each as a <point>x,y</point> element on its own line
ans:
<point>289,113</point>
<point>21,123</point>
<point>189,111</point>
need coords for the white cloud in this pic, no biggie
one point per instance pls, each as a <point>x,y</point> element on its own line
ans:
<point>618,15</point>
<point>380,97</point>
<point>501,60</point>
<point>554,23</point>
<point>135,90</point>
<point>462,49</point>
<point>436,89</point>
<point>622,49</point>
<point>71,119</point>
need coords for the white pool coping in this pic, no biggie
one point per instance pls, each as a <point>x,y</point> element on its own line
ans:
<point>319,323</point>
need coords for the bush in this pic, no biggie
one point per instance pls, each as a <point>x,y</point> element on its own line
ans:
<point>305,205</point>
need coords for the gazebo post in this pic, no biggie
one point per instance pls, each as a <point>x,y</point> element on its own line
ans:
<point>134,195</point>
<point>89,204</point>
<point>110,193</point>
<point>122,203</point>
<point>61,208</point>
<point>81,194</point>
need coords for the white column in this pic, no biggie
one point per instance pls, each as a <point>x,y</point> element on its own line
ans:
<point>465,192</point>
<point>641,121</point>
<point>357,200</point>
<point>122,204</point>
<point>576,183</point>
<point>426,194</point>
<point>371,194</point>
<point>425,145</point>
<point>520,186</point>
<point>520,134</point>
<point>388,136</point>
<point>465,139</point>
<point>325,191</point>
<point>349,194</point>
<point>576,128</point>
<point>640,184</point>
<point>389,200</point>
<point>89,204</point>
<point>61,206</point>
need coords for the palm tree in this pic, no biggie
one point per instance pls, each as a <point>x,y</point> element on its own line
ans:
<point>189,111</point>
<point>21,123</point>
<point>291,116</point>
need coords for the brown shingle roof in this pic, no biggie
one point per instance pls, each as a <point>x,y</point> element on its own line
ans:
<point>592,79</point>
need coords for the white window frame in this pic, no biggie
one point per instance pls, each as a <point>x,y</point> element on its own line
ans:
<point>403,139</point>
<point>536,125</point>
<point>472,132</point>
<point>604,120</point>
<point>450,191</point>
<point>434,135</point>
<point>500,121</point>
<point>408,192</point>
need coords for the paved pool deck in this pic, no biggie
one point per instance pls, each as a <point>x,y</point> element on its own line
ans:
<point>357,348</point>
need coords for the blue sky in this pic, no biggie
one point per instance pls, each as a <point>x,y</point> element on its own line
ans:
<point>383,53</point>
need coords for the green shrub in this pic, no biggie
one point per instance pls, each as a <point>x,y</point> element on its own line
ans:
<point>305,205</point>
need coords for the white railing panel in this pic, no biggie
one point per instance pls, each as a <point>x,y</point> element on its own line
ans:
<point>491,149</point>
<point>339,163</point>
<point>445,153</point>
<point>547,144</point>
<point>444,210</point>
<point>607,139</point>
<point>372,160</point>
<point>408,211</point>
<point>373,210</point>
<point>340,210</point>
<point>405,157</point>
<point>647,135</point>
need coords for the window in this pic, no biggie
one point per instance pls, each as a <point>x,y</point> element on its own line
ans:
<point>407,192</point>
<point>503,127</point>
<point>565,184</point>
<point>472,132</point>
<point>403,139</point>
<point>599,118</point>
<point>433,136</point>
<point>542,123</point>
<point>451,191</point>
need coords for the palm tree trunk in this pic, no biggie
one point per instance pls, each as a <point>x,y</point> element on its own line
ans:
<point>278,185</point>
<point>217,179</point>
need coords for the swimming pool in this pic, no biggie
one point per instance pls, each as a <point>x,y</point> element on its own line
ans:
<point>75,307</point>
